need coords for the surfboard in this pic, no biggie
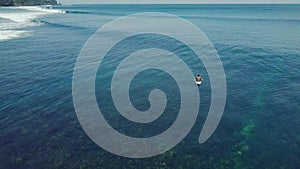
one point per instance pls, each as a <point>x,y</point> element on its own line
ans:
<point>198,83</point>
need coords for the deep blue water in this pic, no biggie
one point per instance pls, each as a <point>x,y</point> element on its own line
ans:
<point>259,46</point>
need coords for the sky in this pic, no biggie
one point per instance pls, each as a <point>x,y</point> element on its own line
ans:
<point>66,2</point>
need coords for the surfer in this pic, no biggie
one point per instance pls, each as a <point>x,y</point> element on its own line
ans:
<point>198,79</point>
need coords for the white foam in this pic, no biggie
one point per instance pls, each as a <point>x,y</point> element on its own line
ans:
<point>12,34</point>
<point>19,19</point>
<point>41,9</point>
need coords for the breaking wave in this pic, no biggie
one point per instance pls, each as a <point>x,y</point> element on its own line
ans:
<point>15,20</point>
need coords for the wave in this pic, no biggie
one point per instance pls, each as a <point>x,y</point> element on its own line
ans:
<point>95,13</point>
<point>57,24</point>
<point>14,20</point>
<point>78,12</point>
<point>40,9</point>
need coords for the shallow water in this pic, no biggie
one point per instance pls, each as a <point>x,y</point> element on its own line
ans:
<point>259,46</point>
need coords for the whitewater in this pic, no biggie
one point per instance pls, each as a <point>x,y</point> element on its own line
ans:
<point>14,21</point>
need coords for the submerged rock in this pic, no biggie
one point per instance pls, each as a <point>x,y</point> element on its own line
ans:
<point>248,129</point>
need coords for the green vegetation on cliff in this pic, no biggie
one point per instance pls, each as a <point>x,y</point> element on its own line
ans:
<point>27,2</point>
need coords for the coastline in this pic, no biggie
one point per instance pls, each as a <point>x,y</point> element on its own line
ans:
<point>16,3</point>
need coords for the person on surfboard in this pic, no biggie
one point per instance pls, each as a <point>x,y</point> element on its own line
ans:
<point>198,79</point>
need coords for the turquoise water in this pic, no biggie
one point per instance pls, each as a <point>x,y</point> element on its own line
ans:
<point>259,46</point>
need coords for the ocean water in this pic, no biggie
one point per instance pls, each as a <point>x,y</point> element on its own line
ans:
<point>259,46</point>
